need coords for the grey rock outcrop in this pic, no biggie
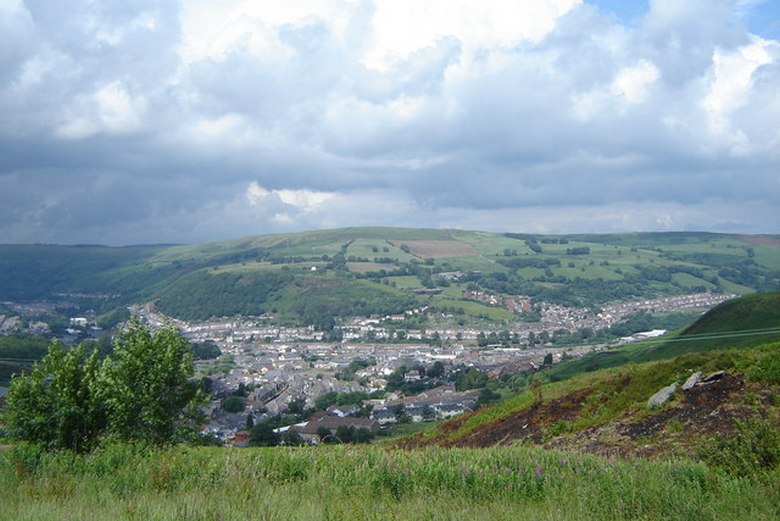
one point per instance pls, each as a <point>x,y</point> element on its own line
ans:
<point>661,397</point>
<point>717,375</point>
<point>691,381</point>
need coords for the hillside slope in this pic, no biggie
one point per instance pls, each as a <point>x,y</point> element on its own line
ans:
<point>394,268</point>
<point>605,411</point>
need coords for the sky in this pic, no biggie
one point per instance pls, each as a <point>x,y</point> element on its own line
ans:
<point>194,121</point>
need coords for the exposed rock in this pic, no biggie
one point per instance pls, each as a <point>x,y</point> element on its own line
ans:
<point>661,397</point>
<point>691,381</point>
<point>714,376</point>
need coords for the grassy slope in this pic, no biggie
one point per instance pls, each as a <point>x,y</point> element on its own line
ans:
<point>601,389</point>
<point>360,483</point>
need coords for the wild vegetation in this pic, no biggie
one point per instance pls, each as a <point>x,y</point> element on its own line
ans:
<point>127,482</point>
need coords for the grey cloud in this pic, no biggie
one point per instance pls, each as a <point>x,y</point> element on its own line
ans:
<point>529,136</point>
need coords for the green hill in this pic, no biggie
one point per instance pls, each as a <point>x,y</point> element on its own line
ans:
<point>744,322</point>
<point>385,270</point>
<point>604,411</point>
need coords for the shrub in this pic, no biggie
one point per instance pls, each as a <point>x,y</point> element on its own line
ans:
<point>767,370</point>
<point>233,404</point>
<point>755,447</point>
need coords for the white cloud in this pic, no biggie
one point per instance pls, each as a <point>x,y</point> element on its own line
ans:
<point>732,81</point>
<point>216,29</point>
<point>256,193</point>
<point>629,86</point>
<point>111,109</point>
<point>401,27</point>
<point>631,83</point>
<point>303,200</point>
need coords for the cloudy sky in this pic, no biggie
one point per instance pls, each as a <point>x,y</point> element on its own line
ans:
<point>194,120</point>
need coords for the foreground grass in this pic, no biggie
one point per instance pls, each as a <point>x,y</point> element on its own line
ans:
<point>344,483</point>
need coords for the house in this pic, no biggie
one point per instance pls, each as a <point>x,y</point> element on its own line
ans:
<point>311,430</point>
<point>240,439</point>
<point>384,416</point>
<point>412,376</point>
<point>449,410</point>
<point>342,410</point>
<point>415,412</point>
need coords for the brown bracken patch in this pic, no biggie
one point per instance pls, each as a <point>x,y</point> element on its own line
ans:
<point>426,249</point>
<point>760,240</point>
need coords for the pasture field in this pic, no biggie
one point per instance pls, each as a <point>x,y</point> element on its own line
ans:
<point>475,309</point>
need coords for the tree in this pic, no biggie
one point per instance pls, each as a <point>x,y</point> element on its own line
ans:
<point>233,404</point>
<point>296,407</point>
<point>487,396</point>
<point>263,435</point>
<point>207,350</point>
<point>70,400</point>
<point>436,370</point>
<point>55,404</point>
<point>472,378</point>
<point>146,386</point>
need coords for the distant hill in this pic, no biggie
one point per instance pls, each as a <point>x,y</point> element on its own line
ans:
<point>744,322</point>
<point>317,277</point>
<point>604,411</point>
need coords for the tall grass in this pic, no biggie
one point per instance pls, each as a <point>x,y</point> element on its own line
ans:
<point>345,483</point>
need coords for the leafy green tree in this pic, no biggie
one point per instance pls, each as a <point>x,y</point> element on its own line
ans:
<point>207,350</point>
<point>146,386</point>
<point>55,404</point>
<point>472,378</point>
<point>362,436</point>
<point>263,435</point>
<point>487,396</point>
<point>233,404</point>
<point>436,370</point>
<point>296,407</point>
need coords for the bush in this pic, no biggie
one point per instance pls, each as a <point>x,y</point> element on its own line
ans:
<point>755,447</point>
<point>233,404</point>
<point>767,370</point>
